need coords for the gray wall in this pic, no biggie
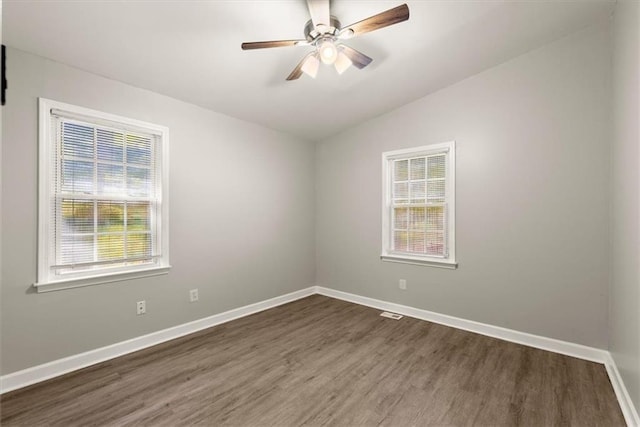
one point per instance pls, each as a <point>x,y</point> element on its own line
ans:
<point>624,317</point>
<point>241,208</point>
<point>532,195</point>
<point>534,181</point>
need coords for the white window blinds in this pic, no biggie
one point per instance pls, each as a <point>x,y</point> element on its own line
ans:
<point>106,196</point>
<point>418,205</point>
<point>103,212</point>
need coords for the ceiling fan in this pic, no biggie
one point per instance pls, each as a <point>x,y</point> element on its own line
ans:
<point>324,32</point>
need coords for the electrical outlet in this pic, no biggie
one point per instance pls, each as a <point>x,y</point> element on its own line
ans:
<point>141,307</point>
<point>193,295</point>
<point>402,284</point>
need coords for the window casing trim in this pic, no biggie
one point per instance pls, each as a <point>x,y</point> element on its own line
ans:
<point>409,258</point>
<point>47,111</point>
<point>98,279</point>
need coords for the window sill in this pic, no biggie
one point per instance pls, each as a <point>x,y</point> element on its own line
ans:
<point>97,280</point>
<point>403,259</point>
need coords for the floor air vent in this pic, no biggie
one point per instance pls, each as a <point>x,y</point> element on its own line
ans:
<point>393,316</point>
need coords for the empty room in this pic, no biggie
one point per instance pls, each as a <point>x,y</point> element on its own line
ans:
<point>314,212</point>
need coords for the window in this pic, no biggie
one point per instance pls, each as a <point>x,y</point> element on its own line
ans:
<point>418,208</point>
<point>103,211</point>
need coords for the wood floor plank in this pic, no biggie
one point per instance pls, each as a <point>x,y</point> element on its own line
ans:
<point>321,361</point>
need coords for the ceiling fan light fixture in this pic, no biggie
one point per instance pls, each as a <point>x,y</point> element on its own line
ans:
<point>342,62</point>
<point>310,66</point>
<point>328,52</point>
<point>325,33</point>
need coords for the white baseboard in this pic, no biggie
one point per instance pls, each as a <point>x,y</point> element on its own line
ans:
<point>59,367</point>
<point>537,341</point>
<point>626,404</point>
<point>544,343</point>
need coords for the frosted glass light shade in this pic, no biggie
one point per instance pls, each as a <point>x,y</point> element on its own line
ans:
<point>342,62</point>
<point>310,66</point>
<point>328,52</point>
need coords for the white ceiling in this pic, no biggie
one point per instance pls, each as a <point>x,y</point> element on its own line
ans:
<point>190,50</point>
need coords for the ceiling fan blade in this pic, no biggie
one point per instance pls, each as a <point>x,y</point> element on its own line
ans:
<point>273,43</point>
<point>375,22</point>
<point>297,72</point>
<point>359,59</point>
<point>319,11</point>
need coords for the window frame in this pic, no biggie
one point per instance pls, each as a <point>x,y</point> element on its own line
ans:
<point>46,279</point>
<point>387,253</point>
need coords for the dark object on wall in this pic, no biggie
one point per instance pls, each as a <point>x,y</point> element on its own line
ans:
<point>3,77</point>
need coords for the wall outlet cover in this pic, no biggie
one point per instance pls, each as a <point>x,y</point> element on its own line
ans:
<point>141,307</point>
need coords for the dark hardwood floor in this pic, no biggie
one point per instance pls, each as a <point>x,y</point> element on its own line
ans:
<point>324,361</point>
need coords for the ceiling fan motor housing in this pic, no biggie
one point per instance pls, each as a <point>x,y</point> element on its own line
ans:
<point>311,33</point>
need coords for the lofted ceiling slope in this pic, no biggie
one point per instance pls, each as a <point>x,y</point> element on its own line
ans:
<point>190,50</point>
